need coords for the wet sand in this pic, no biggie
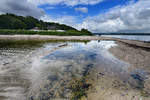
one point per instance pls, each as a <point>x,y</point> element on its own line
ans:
<point>136,86</point>
<point>116,69</point>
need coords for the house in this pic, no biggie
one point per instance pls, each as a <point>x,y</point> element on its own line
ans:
<point>60,30</point>
<point>51,27</point>
<point>35,29</point>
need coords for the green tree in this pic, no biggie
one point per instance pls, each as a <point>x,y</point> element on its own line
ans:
<point>30,22</point>
<point>85,31</point>
<point>11,21</point>
<point>5,22</point>
<point>17,24</point>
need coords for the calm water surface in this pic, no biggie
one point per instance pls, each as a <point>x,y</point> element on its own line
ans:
<point>42,73</point>
<point>131,37</point>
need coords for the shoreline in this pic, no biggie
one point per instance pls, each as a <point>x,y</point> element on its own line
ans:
<point>51,37</point>
<point>126,88</point>
<point>96,82</point>
<point>135,43</point>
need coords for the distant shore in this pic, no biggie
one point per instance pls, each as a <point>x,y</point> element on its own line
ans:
<point>71,38</point>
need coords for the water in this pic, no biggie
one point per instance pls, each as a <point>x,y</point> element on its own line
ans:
<point>43,72</point>
<point>131,37</point>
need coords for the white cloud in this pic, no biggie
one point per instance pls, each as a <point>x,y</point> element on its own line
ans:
<point>65,2</point>
<point>20,7</point>
<point>49,8</point>
<point>134,17</point>
<point>82,9</point>
<point>68,20</point>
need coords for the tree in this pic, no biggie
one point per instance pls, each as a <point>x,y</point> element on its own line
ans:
<point>30,22</point>
<point>17,24</point>
<point>85,31</point>
<point>11,21</point>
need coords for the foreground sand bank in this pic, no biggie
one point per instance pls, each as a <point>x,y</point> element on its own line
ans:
<point>103,81</point>
<point>106,87</point>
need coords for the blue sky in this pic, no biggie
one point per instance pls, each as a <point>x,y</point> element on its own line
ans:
<point>99,8</point>
<point>95,15</point>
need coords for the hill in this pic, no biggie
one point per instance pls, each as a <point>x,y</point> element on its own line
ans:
<point>11,21</point>
<point>11,24</point>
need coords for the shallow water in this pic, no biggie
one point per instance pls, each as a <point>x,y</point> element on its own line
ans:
<point>131,37</point>
<point>43,72</point>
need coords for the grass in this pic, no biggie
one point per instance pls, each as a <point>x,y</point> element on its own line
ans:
<point>79,88</point>
<point>28,32</point>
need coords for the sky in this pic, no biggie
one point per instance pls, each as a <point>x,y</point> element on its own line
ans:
<point>98,16</point>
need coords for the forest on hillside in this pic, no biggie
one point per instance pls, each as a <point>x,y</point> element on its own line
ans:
<point>11,21</point>
<point>11,24</point>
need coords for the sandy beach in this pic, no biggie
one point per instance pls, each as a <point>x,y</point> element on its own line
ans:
<point>105,87</point>
<point>74,49</point>
<point>109,69</point>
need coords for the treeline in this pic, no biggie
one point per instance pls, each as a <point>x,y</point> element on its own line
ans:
<point>28,32</point>
<point>11,21</point>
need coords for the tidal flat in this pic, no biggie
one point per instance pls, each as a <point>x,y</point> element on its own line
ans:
<point>75,70</point>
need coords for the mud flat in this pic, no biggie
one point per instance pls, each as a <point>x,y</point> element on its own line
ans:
<point>134,85</point>
<point>108,69</point>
